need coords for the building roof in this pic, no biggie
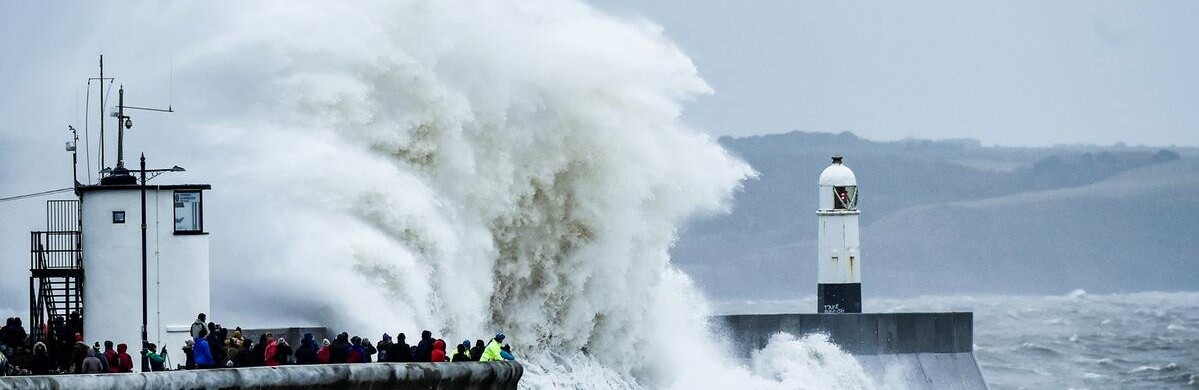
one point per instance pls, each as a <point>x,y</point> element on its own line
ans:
<point>99,187</point>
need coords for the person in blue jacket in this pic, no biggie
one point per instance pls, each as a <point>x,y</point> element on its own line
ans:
<point>203,352</point>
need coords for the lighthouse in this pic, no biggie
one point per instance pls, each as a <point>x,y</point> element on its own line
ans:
<point>839,267</point>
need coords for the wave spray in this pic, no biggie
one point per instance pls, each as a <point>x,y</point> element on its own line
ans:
<point>468,167</point>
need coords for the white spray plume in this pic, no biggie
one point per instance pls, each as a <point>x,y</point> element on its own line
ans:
<point>465,167</point>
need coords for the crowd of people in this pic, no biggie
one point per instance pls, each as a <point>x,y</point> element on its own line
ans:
<point>213,346</point>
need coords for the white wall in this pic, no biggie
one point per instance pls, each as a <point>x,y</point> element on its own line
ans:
<point>177,271</point>
<point>840,259</point>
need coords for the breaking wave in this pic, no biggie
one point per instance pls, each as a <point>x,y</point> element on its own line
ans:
<point>468,167</point>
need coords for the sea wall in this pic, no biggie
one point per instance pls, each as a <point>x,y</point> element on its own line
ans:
<point>375,376</point>
<point>916,350</point>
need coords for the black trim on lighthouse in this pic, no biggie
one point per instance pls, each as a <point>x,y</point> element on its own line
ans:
<point>839,298</point>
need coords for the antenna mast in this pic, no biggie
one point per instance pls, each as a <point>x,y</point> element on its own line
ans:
<point>101,111</point>
<point>120,174</point>
<point>100,82</point>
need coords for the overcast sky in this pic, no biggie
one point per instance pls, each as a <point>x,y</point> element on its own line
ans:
<point>1023,72</point>
<point>1029,72</point>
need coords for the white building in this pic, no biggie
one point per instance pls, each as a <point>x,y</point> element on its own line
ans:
<point>839,271</point>
<point>177,272</point>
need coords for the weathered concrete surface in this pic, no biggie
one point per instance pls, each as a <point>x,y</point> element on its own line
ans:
<point>375,376</point>
<point>917,350</point>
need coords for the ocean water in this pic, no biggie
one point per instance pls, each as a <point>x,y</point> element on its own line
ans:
<point>1147,340</point>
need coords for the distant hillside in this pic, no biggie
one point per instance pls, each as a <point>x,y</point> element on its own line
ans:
<point>954,216</point>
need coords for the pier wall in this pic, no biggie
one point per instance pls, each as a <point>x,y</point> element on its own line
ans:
<point>917,350</point>
<point>375,376</point>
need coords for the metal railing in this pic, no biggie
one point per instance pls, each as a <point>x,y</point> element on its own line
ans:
<point>55,250</point>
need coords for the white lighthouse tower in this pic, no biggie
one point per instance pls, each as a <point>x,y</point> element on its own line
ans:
<point>839,271</point>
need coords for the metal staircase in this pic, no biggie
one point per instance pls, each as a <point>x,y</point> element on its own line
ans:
<point>56,269</point>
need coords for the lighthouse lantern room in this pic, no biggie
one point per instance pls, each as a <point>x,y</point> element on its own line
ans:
<point>839,269</point>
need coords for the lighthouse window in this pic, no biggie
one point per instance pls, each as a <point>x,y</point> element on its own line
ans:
<point>189,212</point>
<point>845,198</point>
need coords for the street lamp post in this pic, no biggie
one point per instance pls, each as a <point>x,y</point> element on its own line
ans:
<point>145,304</point>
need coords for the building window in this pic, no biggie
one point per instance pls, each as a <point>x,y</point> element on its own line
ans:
<point>189,212</point>
<point>845,198</point>
<point>118,217</point>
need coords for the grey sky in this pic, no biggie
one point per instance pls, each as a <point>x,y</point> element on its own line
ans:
<point>1011,72</point>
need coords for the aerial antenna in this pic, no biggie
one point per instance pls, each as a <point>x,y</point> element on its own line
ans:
<point>119,174</point>
<point>100,82</point>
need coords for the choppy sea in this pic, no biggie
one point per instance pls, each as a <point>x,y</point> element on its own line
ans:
<point>1146,340</point>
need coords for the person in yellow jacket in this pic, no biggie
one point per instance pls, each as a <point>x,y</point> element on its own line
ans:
<point>494,349</point>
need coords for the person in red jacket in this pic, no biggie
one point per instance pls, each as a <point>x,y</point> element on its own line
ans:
<point>439,351</point>
<point>124,361</point>
<point>322,354</point>
<point>271,350</point>
<point>110,357</point>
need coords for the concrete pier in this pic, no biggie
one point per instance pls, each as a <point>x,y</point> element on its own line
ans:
<point>375,376</point>
<point>920,350</point>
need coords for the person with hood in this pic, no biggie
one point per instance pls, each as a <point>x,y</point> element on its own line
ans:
<point>124,361</point>
<point>476,353</point>
<point>270,352</point>
<point>189,352</point>
<point>424,349</point>
<point>463,354</point>
<point>356,353</point>
<point>95,350</point>
<point>307,352</point>
<point>323,354</point>
<point>203,352</point>
<point>492,352</point>
<point>283,352</point>
<point>79,352</point>
<point>245,355</point>
<point>339,349</point>
<point>41,363</point>
<point>384,347</point>
<point>506,352</point>
<point>438,354</point>
<point>156,361</point>
<point>92,364</point>
<point>400,351</point>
